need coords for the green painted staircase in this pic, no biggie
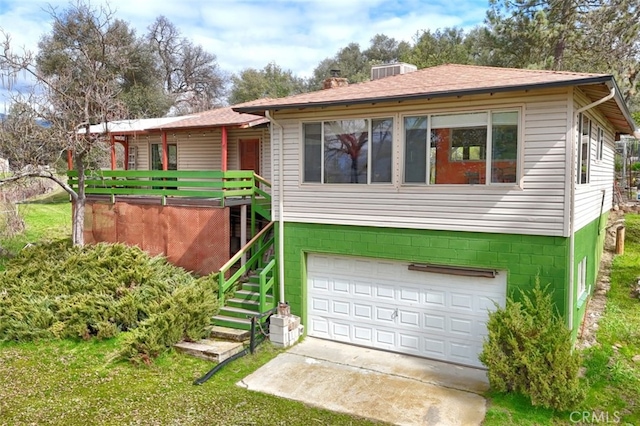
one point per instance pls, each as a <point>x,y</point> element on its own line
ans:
<point>245,303</point>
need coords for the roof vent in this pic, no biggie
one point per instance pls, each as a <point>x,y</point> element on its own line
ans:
<point>387,70</point>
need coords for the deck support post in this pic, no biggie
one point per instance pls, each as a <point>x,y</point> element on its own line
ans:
<point>225,149</point>
<point>243,230</point>
<point>113,152</point>
<point>165,152</point>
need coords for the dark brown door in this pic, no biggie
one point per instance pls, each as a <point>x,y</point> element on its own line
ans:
<point>250,155</point>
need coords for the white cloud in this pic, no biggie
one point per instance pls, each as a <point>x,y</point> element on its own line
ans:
<point>297,35</point>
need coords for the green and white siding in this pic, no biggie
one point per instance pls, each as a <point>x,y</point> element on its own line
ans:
<point>538,228</point>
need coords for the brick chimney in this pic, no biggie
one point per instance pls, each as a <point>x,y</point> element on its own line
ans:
<point>334,81</point>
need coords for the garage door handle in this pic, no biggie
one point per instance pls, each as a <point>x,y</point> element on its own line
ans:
<point>394,315</point>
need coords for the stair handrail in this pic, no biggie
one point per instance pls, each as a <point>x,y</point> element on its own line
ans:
<point>266,283</point>
<point>257,247</point>
<point>255,206</point>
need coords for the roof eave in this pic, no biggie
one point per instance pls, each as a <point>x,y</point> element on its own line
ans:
<point>622,105</point>
<point>425,95</point>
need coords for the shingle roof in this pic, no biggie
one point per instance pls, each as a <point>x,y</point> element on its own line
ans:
<point>214,118</point>
<point>441,81</point>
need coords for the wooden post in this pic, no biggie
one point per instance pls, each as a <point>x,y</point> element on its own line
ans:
<point>113,152</point>
<point>225,149</point>
<point>620,240</point>
<point>165,152</point>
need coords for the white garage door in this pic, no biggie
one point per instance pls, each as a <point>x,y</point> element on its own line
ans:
<point>382,304</point>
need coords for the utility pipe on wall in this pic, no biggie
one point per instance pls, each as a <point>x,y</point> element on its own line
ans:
<point>610,96</point>
<point>280,204</point>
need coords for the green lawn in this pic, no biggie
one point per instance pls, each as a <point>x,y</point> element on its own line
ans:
<point>75,383</point>
<point>47,217</point>
<point>612,378</point>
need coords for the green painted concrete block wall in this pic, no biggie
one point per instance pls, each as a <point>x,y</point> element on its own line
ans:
<point>523,256</point>
<point>589,243</point>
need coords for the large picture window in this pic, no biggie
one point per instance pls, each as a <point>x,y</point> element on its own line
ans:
<point>348,151</point>
<point>469,148</point>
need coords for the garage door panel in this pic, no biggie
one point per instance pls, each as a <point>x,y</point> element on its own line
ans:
<point>341,308</point>
<point>408,318</point>
<point>385,339</point>
<point>363,312</point>
<point>320,305</point>
<point>409,343</point>
<point>363,289</point>
<point>462,302</point>
<point>341,331</point>
<point>382,304</point>
<point>385,314</point>
<point>363,335</point>
<point>384,292</point>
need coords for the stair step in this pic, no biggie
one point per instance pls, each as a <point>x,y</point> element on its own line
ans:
<point>252,287</point>
<point>227,333</point>
<point>252,305</point>
<point>232,311</point>
<point>232,322</point>
<point>210,350</point>
<point>248,295</point>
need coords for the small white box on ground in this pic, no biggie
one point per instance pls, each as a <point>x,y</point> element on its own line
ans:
<point>285,330</point>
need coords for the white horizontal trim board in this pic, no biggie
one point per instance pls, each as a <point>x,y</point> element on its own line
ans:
<point>384,305</point>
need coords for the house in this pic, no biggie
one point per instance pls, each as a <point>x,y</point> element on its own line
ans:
<point>186,188</point>
<point>407,206</point>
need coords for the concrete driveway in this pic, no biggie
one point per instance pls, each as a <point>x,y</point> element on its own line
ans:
<point>374,384</point>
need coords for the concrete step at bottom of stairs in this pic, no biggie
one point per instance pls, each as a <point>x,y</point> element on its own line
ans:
<point>227,333</point>
<point>210,350</point>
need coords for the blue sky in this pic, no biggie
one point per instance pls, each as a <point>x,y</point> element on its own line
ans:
<point>296,35</point>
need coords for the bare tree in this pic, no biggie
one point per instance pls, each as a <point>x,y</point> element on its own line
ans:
<point>190,73</point>
<point>76,83</point>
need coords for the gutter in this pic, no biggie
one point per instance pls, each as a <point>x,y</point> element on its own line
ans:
<point>280,204</point>
<point>572,222</point>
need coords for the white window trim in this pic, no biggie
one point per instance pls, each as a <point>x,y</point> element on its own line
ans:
<point>519,155</point>
<point>582,278</point>
<point>370,119</point>
<point>579,158</point>
<point>600,146</point>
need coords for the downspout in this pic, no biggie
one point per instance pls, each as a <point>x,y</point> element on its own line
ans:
<point>280,204</point>
<point>573,198</point>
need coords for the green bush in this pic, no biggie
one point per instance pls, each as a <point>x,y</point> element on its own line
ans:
<point>185,314</point>
<point>55,290</point>
<point>529,351</point>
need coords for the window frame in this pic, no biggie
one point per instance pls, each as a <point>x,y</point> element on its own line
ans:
<point>369,119</point>
<point>600,148</point>
<point>152,151</point>
<point>580,179</point>
<point>488,149</point>
<point>582,278</point>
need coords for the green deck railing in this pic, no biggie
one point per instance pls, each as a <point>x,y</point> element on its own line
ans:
<point>170,183</point>
<point>256,252</point>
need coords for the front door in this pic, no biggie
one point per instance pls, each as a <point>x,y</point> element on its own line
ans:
<point>250,155</point>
